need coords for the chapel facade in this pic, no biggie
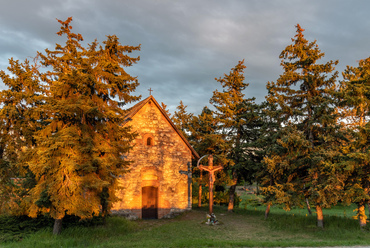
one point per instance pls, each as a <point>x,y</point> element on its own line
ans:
<point>158,183</point>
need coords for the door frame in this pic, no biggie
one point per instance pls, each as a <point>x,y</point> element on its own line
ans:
<point>149,213</point>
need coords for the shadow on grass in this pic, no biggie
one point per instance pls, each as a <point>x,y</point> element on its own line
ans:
<point>15,228</point>
<point>335,228</point>
<point>243,227</point>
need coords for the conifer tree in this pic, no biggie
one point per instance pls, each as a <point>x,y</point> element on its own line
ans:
<point>253,148</point>
<point>79,152</point>
<point>308,161</point>
<point>204,135</point>
<point>205,139</point>
<point>230,107</point>
<point>355,96</point>
<point>19,119</point>
<point>164,107</point>
<point>268,146</point>
<point>182,119</point>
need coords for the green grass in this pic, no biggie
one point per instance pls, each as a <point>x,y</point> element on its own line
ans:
<point>253,202</point>
<point>246,227</point>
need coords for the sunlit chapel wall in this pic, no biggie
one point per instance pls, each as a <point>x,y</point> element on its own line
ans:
<point>156,163</point>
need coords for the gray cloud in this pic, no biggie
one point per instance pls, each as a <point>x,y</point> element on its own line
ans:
<point>185,45</point>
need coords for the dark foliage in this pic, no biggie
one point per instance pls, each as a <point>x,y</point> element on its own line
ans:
<point>15,228</point>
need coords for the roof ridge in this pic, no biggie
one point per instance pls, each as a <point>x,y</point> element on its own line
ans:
<point>133,110</point>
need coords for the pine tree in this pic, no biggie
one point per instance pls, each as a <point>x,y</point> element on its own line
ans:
<point>204,136</point>
<point>230,107</point>
<point>182,119</point>
<point>79,152</point>
<point>20,118</point>
<point>164,107</point>
<point>252,147</point>
<point>205,139</point>
<point>307,164</point>
<point>355,96</point>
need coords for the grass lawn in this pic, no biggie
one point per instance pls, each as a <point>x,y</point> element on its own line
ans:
<point>244,227</point>
<point>253,202</point>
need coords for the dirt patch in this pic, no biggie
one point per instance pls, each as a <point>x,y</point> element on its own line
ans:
<point>194,215</point>
<point>235,226</point>
<point>186,216</point>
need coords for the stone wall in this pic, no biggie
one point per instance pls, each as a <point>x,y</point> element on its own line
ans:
<point>157,163</point>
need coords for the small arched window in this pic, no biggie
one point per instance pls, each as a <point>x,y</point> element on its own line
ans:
<point>149,141</point>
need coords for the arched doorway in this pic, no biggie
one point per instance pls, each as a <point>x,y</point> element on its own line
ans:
<point>150,202</point>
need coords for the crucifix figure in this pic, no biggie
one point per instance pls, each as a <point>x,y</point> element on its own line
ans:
<point>211,170</point>
<point>150,91</point>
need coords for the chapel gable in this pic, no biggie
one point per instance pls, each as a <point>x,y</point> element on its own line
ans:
<point>154,186</point>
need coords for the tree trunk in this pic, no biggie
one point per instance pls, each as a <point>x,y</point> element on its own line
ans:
<point>361,215</point>
<point>232,189</point>
<point>308,207</point>
<point>104,195</point>
<point>267,210</point>
<point>320,217</point>
<point>230,207</point>
<point>57,226</point>
<point>200,190</point>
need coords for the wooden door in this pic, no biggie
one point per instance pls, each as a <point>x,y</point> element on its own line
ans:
<point>150,202</point>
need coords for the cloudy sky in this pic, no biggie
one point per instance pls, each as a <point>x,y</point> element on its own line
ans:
<point>186,44</point>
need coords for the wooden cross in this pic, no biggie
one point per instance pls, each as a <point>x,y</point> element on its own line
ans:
<point>150,91</point>
<point>211,170</point>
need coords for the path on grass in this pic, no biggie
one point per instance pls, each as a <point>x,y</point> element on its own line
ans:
<point>236,227</point>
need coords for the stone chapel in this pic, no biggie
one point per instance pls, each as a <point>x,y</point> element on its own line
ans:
<point>158,183</point>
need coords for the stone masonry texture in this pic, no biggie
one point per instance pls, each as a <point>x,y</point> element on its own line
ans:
<point>155,163</point>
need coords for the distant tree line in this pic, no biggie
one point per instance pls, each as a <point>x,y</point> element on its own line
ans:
<point>307,143</point>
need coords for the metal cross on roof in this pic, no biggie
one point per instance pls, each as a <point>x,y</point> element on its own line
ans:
<point>150,91</point>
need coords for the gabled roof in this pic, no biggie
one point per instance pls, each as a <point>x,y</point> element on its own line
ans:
<point>133,110</point>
